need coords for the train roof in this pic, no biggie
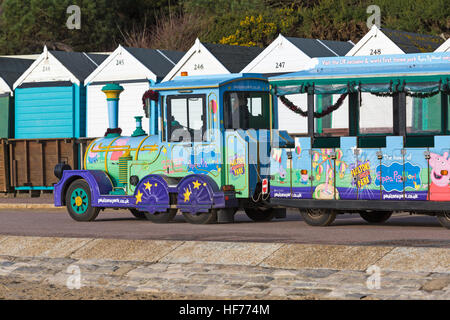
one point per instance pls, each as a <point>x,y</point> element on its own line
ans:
<point>206,81</point>
<point>366,69</point>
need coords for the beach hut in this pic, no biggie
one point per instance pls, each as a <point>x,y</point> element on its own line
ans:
<point>379,41</point>
<point>206,59</point>
<point>288,54</point>
<point>50,96</point>
<point>134,69</point>
<point>10,70</point>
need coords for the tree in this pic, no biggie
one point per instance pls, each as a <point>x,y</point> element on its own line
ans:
<point>26,28</point>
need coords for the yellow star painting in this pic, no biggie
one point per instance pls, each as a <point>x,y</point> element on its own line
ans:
<point>197,184</point>
<point>148,185</point>
<point>187,195</point>
<point>139,197</point>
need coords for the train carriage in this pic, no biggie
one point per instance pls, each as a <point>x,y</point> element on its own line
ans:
<point>392,157</point>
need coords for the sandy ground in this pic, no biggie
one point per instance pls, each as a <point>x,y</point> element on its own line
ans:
<point>14,288</point>
<point>18,289</point>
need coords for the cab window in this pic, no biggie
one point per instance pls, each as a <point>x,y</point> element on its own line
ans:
<point>185,117</point>
<point>246,110</point>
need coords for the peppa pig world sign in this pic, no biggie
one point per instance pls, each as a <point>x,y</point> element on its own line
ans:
<point>393,178</point>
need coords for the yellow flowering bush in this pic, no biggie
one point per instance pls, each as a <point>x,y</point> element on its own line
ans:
<point>260,30</point>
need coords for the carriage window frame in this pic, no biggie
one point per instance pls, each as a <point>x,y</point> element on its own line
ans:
<point>446,109</point>
<point>266,108</point>
<point>375,134</point>
<point>443,117</point>
<point>169,99</point>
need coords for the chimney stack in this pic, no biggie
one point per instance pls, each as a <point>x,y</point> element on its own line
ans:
<point>113,91</point>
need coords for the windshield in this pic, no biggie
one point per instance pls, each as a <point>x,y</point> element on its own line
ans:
<point>246,110</point>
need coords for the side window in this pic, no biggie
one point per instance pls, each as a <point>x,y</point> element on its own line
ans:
<point>255,104</point>
<point>246,110</point>
<point>185,118</point>
<point>423,115</point>
<point>179,114</point>
<point>376,115</point>
<point>195,113</point>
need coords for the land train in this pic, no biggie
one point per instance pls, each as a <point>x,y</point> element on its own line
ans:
<point>214,146</point>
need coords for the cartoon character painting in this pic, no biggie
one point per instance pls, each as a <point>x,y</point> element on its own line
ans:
<point>439,177</point>
<point>117,154</point>
<point>302,176</point>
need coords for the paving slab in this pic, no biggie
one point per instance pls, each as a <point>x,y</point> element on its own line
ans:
<point>29,206</point>
<point>40,246</point>
<point>416,260</point>
<point>301,256</point>
<point>2,238</point>
<point>126,250</point>
<point>229,253</point>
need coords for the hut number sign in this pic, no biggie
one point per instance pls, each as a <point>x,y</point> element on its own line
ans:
<point>120,62</point>
<point>375,52</point>
<point>279,65</point>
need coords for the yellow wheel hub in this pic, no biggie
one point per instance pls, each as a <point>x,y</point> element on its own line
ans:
<point>78,201</point>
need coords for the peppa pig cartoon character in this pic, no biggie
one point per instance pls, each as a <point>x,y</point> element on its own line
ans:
<point>439,176</point>
<point>117,154</point>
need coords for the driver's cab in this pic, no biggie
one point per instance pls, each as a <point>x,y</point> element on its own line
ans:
<point>208,123</point>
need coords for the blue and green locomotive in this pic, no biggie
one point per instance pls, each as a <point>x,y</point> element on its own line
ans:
<point>206,154</point>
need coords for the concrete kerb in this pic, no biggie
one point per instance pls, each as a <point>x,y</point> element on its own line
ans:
<point>46,247</point>
<point>268,255</point>
<point>29,206</point>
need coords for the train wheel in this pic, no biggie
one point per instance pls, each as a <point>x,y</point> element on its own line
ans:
<point>260,214</point>
<point>195,199</point>
<point>376,216</point>
<point>161,217</point>
<point>201,217</point>
<point>444,220</point>
<point>78,202</point>
<point>318,217</point>
<point>137,214</point>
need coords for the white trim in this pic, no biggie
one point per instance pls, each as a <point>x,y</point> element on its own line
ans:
<point>167,58</point>
<point>197,47</point>
<point>85,54</point>
<point>445,47</point>
<point>43,55</point>
<point>327,47</point>
<point>111,57</point>
<point>25,56</point>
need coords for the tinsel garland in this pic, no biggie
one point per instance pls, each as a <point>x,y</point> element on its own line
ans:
<point>409,94</point>
<point>149,94</point>
<point>321,114</point>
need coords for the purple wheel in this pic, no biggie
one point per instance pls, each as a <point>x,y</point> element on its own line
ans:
<point>153,199</point>
<point>196,199</point>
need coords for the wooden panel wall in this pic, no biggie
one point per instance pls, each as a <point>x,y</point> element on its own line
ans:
<point>30,162</point>
<point>4,167</point>
<point>33,161</point>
